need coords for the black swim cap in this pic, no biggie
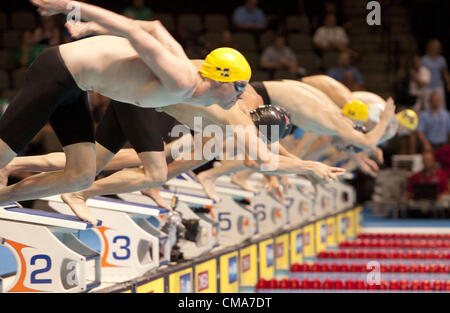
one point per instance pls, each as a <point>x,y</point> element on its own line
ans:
<point>269,115</point>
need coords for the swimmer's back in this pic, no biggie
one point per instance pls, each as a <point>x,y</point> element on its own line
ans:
<point>110,66</point>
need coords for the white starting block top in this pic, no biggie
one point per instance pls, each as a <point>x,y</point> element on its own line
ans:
<point>184,197</point>
<point>234,191</point>
<point>118,205</point>
<point>14,212</point>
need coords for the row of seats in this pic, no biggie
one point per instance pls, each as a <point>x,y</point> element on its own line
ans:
<point>396,243</point>
<point>385,254</point>
<point>403,236</point>
<point>22,20</point>
<point>360,268</point>
<point>316,284</point>
<point>247,42</point>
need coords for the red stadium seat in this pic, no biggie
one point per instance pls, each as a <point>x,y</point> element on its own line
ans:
<point>349,284</point>
<point>338,284</point>
<point>295,284</point>
<point>285,284</point>
<point>394,285</point>
<point>360,284</point>
<point>273,284</point>
<point>306,283</point>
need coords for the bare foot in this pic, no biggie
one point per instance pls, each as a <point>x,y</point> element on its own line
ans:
<point>78,205</point>
<point>242,182</point>
<point>208,186</point>
<point>155,196</point>
<point>4,177</point>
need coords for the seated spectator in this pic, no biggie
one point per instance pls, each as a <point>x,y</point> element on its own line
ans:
<point>335,7</point>
<point>429,175</point>
<point>28,51</point>
<point>330,36</point>
<point>419,77</point>
<point>48,32</point>
<point>351,82</point>
<point>249,17</point>
<point>434,124</point>
<point>437,65</point>
<point>226,40</point>
<point>138,11</point>
<point>442,156</point>
<point>279,57</point>
<point>344,67</point>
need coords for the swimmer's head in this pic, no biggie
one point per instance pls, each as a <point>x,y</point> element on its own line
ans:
<point>408,121</point>
<point>226,65</point>
<point>230,68</point>
<point>356,110</point>
<point>270,118</point>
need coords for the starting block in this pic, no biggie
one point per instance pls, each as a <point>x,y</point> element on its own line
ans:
<point>300,200</point>
<point>271,214</point>
<point>303,197</point>
<point>237,223</point>
<point>345,196</point>
<point>49,257</point>
<point>130,246</point>
<point>208,229</point>
<point>326,201</point>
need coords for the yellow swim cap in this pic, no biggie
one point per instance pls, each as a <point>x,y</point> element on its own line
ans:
<point>408,118</point>
<point>356,110</point>
<point>226,65</point>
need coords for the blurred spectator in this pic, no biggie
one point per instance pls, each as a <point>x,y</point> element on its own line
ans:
<point>351,82</point>
<point>429,175</point>
<point>442,156</point>
<point>249,17</point>
<point>226,39</point>
<point>335,7</point>
<point>330,36</point>
<point>279,57</point>
<point>419,77</point>
<point>48,32</point>
<point>29,50</point>
<point>437,65</point>
<point>138,11</point>
<point>345,72</point>
<point>434,124</point>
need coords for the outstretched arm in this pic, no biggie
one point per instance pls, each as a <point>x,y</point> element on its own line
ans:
<point>154,28</point>
<point>176,73</point>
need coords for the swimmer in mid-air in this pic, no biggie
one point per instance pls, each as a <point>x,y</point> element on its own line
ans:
<point>147,68</point>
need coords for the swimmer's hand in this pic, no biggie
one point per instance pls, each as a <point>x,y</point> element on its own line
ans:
<point>366,164</point>
<point>275,188</point>
<point>51,7</point>
<point>81,29</point>
<point>324,173</point>
<point>389,110</point>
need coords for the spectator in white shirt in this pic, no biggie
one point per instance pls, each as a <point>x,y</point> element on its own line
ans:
<point>279,56</point>
<point>419,77</point>
<point>330,36</point>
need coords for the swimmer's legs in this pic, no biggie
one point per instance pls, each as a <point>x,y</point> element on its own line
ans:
<point>78,173</point>
<point>153,174</point>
